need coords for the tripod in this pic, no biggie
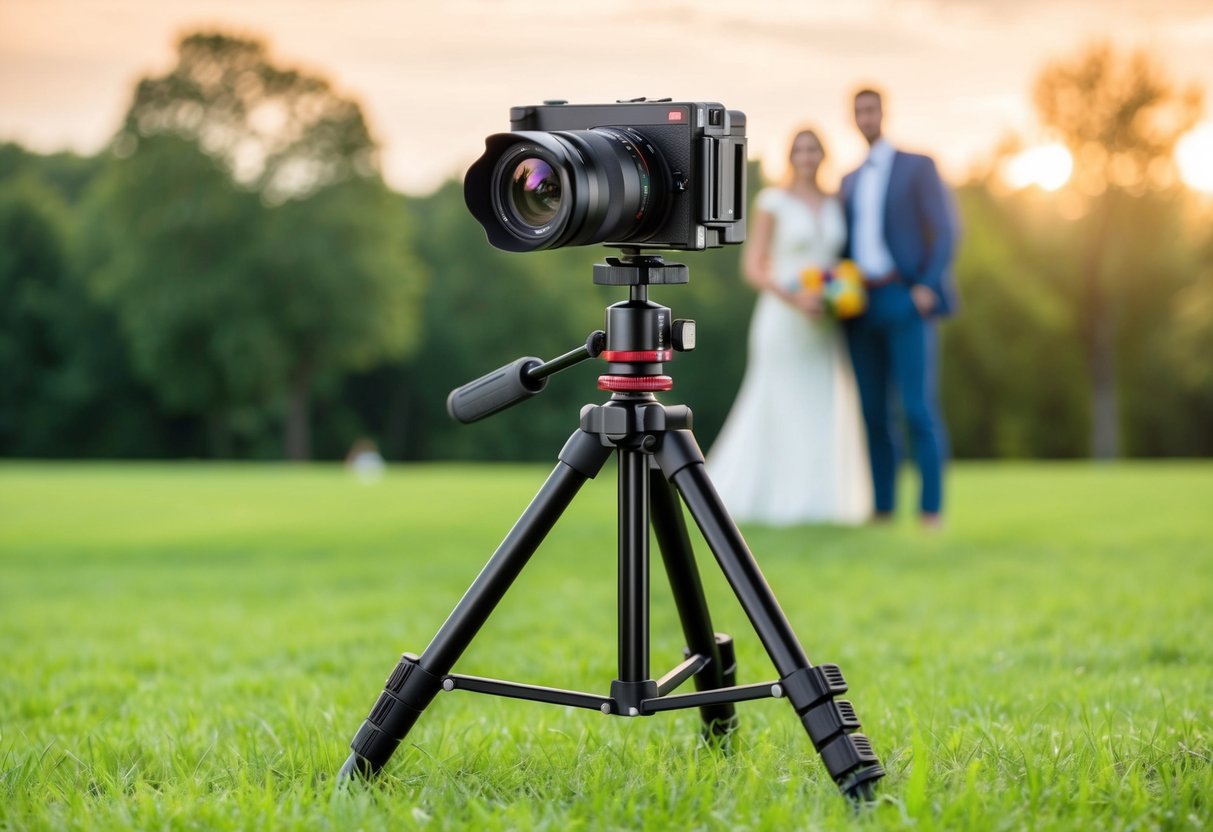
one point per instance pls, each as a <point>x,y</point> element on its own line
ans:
<point>659,460</point>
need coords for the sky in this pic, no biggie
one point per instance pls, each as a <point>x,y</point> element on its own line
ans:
<point>436,77</point>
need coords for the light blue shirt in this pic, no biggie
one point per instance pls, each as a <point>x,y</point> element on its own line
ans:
<point>871,185</point>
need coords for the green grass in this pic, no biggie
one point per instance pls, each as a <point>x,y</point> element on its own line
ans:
<point>192,646</point>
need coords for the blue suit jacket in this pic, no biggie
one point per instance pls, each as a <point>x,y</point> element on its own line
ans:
<point>920,226</point>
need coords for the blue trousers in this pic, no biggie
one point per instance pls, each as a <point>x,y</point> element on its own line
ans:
<point>894,350</point>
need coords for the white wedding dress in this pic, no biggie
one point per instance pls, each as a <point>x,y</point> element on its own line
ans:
<point>792,449</point>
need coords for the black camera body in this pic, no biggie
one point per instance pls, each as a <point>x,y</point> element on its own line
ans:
<point>636,174</point>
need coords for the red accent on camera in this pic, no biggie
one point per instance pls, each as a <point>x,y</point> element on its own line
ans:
<point>635,384</point>
<point>643,356</point>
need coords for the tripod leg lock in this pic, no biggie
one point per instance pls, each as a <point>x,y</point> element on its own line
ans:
<point>405,695</point>
<point>848,753</point>
<point>809,686</point>
<point>829,719</point>
<point>832,725</point>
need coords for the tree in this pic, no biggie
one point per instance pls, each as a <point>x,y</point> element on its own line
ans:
<point>1188,345</point>
<point>340,265</point>
<point>33,274</point>
<point>1011,382</point>
<point>64,173</point>
<point>1121,118</point>
<point>277,130</point>
<point>247,242</point>
<point>65,386</point>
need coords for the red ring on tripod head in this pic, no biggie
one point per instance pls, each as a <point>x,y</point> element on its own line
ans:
<point>638,356</point>
<point>635,384</point>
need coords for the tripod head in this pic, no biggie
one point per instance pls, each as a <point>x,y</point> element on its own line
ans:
<point>640,337</point>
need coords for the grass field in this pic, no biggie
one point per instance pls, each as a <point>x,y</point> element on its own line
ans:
<point>192,646</point>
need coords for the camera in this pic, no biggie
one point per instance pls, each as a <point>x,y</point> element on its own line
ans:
<point>640,174</point>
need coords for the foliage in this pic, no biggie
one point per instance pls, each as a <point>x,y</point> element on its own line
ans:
<point>33,280</point>
<point>193,646</point>
<point>1185,348</point>
<point>66,388</point>
<point>66,174</point>
<point>237,301</point>
<point>1010,367</point>
<point>1121,118</point>
<point>1192,337</point>
<point>278,130</point>
<point>167,232</point>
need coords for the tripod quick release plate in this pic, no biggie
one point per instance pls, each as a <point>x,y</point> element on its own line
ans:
<point>639,271</point>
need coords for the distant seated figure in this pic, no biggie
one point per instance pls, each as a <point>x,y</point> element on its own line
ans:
<point>365,461</point>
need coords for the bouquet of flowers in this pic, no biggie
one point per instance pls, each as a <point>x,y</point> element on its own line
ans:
<point>840,287</point>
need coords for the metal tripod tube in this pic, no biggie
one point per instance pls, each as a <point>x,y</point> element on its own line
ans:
<point>511,556</point>
<point>832,725</point>
<point>416,680</point>
<point>682,463</point>
<point>633,566</point>
<point>674,543</point>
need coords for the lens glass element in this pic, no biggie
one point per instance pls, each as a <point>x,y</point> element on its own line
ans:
<point>535,192</point>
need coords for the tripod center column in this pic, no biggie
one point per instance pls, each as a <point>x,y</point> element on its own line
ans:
<point>633,565</point>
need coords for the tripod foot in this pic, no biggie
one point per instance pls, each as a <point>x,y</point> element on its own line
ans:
<point>719,733</point>
<point>405,695</point>
<point>860,788</point>
<point>355,768</point>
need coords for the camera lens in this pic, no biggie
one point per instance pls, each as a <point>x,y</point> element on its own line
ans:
<point>539,190</point>
<point>535,192</point>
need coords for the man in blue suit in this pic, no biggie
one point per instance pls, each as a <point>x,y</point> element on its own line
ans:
<point>901,232</point>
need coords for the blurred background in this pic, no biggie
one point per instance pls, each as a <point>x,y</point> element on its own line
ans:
<point>236,230</point>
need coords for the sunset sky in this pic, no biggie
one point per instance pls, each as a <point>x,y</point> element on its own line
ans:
<point>436,77</point>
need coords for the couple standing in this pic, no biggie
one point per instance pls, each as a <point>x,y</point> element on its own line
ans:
<point>792,449</point>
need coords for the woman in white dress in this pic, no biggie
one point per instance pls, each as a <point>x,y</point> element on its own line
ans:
<point>792,449</point>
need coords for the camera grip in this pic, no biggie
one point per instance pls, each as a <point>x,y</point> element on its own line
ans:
<point>495,391</point>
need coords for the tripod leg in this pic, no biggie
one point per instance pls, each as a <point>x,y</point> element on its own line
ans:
<point>633,685</point>
<point>687,589</point>
<point>848,756</point>
<point>416,680</point>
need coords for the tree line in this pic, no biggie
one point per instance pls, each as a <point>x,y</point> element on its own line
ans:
<point>232,278</point>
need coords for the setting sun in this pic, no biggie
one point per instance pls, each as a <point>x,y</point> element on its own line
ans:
<point>1194,154</point>
<point>1047,166</point>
